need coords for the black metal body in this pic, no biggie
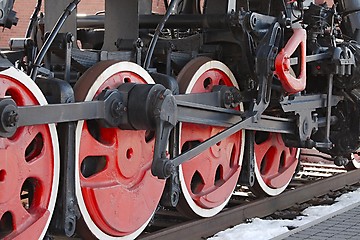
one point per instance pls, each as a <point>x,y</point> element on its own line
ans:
<point>247,35</point>
<point>8,16</point>
<point>66,211</point>
<point>161,112</point>
<point>210,113</point>
<point>70,8</point>
<point>239,26</point>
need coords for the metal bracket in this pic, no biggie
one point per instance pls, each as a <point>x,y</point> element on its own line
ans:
<point>171,194</point>
<point>304,107</point>
<point>265,66</point>
<point>66,210</point>
<point>166,119</point>
<point>69,38</point>
<point>247,175</point>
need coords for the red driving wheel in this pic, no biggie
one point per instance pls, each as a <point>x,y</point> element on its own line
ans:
<point>29,166</point>
<point>275,163</point>
<point>116,191</point>
<point>208,180</point>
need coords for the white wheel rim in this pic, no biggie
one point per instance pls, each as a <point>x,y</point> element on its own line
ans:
<point>202,212</point>
<point>105,75</point>
<point>268,190</point>
<point>34,89</point>
<point>355,162</point>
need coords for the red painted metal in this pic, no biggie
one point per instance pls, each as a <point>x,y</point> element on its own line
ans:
<point>26,167</point>
<point>292,84</point>
<point>275,161</point>
<point>211,176</point>
<point>124,195</point>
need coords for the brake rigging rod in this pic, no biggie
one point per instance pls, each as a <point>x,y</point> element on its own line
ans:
<point>67,12</point>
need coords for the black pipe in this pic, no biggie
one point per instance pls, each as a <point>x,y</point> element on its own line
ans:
<point>90,21</point>
<point>159,28</point>
<point>166,4</point>
<point>174,21</point>
<point>33,19</point>
<point>187,21</point>
<point>70,8</point>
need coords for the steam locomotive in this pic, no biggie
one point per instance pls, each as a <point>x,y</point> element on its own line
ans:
<point>105,118</point>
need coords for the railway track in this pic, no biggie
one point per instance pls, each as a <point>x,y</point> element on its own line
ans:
<point>312,181</point>
<point>169,225</point>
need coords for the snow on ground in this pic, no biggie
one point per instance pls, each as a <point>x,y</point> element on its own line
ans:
<point>266,229</point>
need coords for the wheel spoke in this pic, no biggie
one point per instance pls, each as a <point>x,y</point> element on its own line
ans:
<point>275,166</point>
<point>27,136</point>
<point>92,147</point>
<point>8,175</point>
<point>194,134</point>
<point>103,179</point>
<point>261,150</point>
<point>38,168</point>
<point>288,157</point>
<point>19,215</point>
<point>272,163</point>
<point>277,181</point>
<point>207,171</point>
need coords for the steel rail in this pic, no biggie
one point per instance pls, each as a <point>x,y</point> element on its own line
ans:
<point>203,228</point>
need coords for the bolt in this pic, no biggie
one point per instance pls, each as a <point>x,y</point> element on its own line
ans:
<point>287,22</point>
<point>139,43</point>
<point>305,127</point>
<point>70,38</point>
<point>71,206</point>
<point>228,99</point>
<point>251,84</point>
<point>176,180</point>
<point>315,117</point>
<point>174,199</point>
<point>117,109</point>
<point>169,168</point>
<point>11,119</point>
<point>286,64</point>
<point>172,46</point>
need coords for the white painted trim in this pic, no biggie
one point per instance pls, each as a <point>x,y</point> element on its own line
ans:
<point>231,6</point>
<point>34,89</point>
<point>202,212</point>
<point>105,75</point>
<point>268,190</point>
